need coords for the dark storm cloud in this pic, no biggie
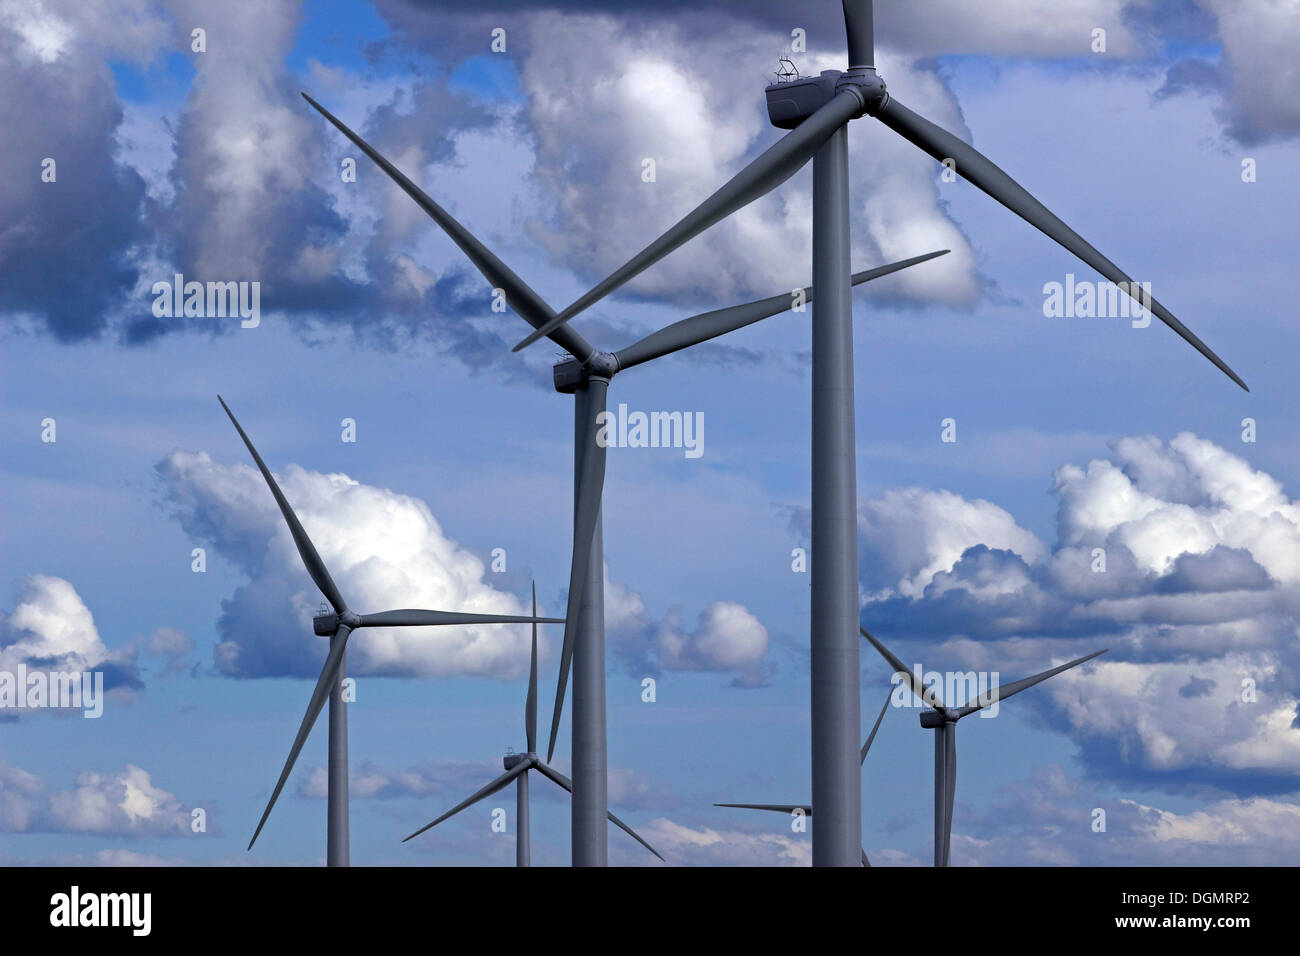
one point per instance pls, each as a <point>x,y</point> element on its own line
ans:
<point>65,246</point>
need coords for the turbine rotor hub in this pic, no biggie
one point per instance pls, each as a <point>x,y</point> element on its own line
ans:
<point>869,85</point>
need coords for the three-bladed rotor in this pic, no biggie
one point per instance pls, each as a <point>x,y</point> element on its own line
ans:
<point>942,719</point>
<point>344,620</point>
<point>519,764</point>
<point>847,96</point>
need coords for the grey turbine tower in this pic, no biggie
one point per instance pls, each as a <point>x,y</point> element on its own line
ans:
<point>817,110</point>
<point>587,376</point>
<point>942,719</point>
<point>806,809</point>
<point>517,767</point>
<point>337,626</point>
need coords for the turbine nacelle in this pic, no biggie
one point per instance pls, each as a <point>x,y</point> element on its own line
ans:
<point>573,374</point>
<point>931,719</point>
<point>791,102</point>
<point>514,760</point>
<point>327,625</point>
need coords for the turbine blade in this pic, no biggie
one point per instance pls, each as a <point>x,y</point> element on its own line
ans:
<point>410,617</point>
<point>760,177</point>
<point>951,781</point>
<point>1007,690</point>
<point>774,807</point>
<point>498,784</point>
<point>982,172</point>
<point>567,784</point>
<point>591,484</point>
<point>306,550</point>
<point>319,695</point>
<point>918,688</point>
<point>865,861</point>
<point>876,726</point>
<point>527,304</point>
<point>710,325</point>
<point>530,707</point>
<point>862,44</point>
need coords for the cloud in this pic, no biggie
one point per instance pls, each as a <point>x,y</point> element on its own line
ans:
<point>1047,820</point>
<point>67,247</point>
<point>451,779</point>
<point>384,550</point>
<point>387,550</point>
<point>125,803</point>
<point>20,796</point>
<point>237,182</point>
<point>172,646</point>
<point>256,191</point>
<point>915,534</point>
<point>1042,28</point>
<point>654,106</point>
<point>1253,75</point>
<point>683,845</point>
<point>1258,69</point>
<point>50,628</point>
<point>727,638</point>
<point>1181,558</point>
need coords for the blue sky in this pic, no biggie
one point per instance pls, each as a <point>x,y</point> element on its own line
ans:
<point>1068,429</point>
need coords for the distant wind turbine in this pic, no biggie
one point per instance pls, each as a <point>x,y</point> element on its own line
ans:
<point>337,626</point>
<point>942,719</point>
<point>517,767</point>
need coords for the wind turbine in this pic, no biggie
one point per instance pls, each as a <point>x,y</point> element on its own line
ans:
<point>942,719</point>
<point>337,627</point>
<point>817,110</point>
<point>587,376</point>
<point>805,808</point>
<point>517,767</point>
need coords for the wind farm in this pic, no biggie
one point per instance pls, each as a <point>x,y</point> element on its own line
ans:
<point>587,377</point>
<point>933,437</point>
<point>817,113</point>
